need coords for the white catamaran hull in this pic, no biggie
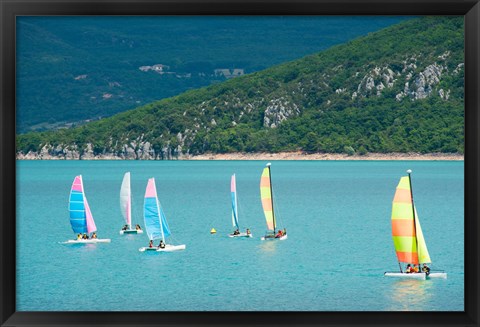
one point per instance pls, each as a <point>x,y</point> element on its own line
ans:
<point>89,241</point>
<point>281,238</point>
<point>131,231</point>
<point>147,249</point>
<point>417,275</point>
<point>442,275</point>
<point>240,235</point>
<point>405,275</point>
<point>167,248</point>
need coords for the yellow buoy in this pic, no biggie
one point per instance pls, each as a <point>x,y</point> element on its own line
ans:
<point>213,231</point>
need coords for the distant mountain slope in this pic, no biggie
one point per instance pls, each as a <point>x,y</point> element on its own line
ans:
<point>396,90</point>
<point>72,69</point>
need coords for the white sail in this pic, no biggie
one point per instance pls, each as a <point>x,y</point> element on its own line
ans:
<point>125,200</point>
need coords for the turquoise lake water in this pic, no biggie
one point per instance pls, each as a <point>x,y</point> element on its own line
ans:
<point>337,214</point>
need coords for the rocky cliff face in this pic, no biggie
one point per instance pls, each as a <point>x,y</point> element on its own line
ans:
<point>140,151</point>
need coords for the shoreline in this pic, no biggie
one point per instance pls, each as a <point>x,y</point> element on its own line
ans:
<point>298,155</point>
<point>328,156</point>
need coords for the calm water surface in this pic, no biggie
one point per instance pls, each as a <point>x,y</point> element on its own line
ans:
<point>337,215</point>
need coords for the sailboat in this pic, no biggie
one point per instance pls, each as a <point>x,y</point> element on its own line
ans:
<point>233,189</point>
<point>267,203</point>
<point>81,217</point>
<point>126,207</point>
<point>408,238</point>
<point>156,222</point>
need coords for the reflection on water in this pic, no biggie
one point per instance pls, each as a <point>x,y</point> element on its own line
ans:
<point>410,295</point>
<point>268,247</point>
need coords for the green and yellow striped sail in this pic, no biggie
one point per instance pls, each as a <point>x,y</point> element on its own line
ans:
<point>266,197</point>
<point>406,230</point>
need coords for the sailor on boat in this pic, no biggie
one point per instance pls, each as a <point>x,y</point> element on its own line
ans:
<point>411,270</point>
<point>94,235</point>
<point>248,231</point>
<point>408,240</point>
<point>426,269</point>
<point>137,227</point>
<point>150,245</point>
<point>236,232</point>
<point>161,245</point>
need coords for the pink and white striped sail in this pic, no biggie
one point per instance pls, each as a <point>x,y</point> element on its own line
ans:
<point>233,190</point>
<point>91,227</point>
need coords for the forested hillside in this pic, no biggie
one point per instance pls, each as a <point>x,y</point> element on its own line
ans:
<point>397,90</point>
<point>74,69</point>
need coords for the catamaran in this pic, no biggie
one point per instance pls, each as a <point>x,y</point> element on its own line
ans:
<point>408,239</point>
<point>126,207</point>
<point>81,218</point>
<point>237,233</point>
<point>266,196</point>
<point>156,222</point>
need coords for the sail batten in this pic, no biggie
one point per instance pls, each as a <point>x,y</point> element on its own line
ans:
<point>407,234</point>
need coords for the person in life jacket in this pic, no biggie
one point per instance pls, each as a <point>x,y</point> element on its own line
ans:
<point>426,269</point>
<point>150,245</point>
<point>409,269</point>
<point>161,245</point>
<point>279,234</point>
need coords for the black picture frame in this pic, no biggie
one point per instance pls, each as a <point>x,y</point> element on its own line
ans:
<point>12,8</point>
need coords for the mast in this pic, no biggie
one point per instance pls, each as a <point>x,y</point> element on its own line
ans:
<point>413,209</point>
<point>271,195</point>
<point>129,203</point>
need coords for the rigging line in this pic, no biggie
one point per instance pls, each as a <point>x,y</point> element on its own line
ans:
<point>279,214</point>
<point>271,195</point>
<point>240,210</point>
<point>413,211</point>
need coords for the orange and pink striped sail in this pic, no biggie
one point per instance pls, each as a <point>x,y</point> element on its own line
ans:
<point>406,230</point>
<point>266,197</point>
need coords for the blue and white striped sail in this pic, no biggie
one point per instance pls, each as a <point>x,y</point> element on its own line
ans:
<point>81,217</point>
<point>233,189</point>
<point>76,207</point>
<point>153,215</point>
